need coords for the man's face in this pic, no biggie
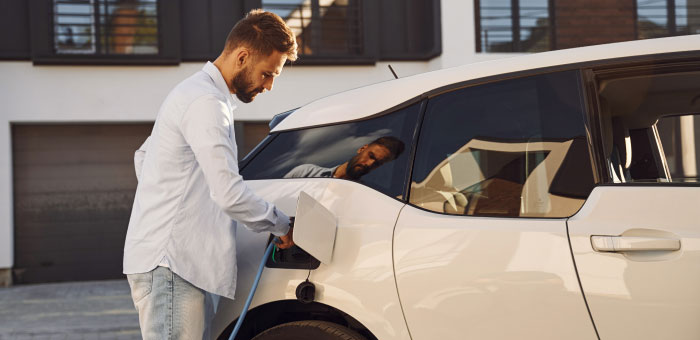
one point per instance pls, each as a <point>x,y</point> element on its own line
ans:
<point>368,158</point>
<point>257,75</point>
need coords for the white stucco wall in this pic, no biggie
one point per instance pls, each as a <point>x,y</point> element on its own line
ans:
<point>47,94</point>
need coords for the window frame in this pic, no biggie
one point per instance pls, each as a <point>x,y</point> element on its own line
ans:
<point>369,16</point>
<point>515,26</point>
<point>371,26</point>
<point>42,40</point>
<point>671,16</point>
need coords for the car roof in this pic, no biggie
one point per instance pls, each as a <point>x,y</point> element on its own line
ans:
<point>372,99</point>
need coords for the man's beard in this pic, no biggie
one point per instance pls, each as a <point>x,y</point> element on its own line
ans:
<point>353,171</point>
<point>241,85</point>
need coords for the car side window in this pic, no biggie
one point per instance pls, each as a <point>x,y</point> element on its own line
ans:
<point>374,152</point>
<point>516,147</point>
<point>648,126</point>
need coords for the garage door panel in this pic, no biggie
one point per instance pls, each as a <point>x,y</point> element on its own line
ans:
<point>76,171</point>
<point>39,229</point>
<point>62,273</point>
<point>83,184</point>
<point>99,253</point>
<point>74,187</point>
<point>73,206</point>
<point>79,242</point>
<point>45,156</point>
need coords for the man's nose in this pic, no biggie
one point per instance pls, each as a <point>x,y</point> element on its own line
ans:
<point>268,84</point>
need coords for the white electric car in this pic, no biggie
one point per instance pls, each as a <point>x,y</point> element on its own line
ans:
<point>522,198</point>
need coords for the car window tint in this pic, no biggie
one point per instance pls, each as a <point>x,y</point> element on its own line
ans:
<point>374,152</point>
<point>509,148</point>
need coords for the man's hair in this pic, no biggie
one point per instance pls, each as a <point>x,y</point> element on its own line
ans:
<point>393,144</point>
<point>263,32</point>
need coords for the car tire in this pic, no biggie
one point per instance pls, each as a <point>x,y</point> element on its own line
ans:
<point>309,330</point>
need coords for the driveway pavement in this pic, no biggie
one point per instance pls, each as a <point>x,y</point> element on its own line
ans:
<point>75,310</point>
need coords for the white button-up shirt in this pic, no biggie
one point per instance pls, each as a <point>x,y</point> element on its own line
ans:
<point>190,194</point>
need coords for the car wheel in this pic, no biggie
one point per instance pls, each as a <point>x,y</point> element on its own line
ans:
<point>309,330</point>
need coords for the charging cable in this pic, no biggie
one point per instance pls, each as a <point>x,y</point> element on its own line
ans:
<point>268,251</point>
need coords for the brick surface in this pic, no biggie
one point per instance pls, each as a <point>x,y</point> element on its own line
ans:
<point>590,22</point>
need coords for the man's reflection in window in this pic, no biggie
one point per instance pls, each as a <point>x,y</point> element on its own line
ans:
<point>369,157</point>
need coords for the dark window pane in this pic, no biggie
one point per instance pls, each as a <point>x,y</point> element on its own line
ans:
<point>512,148</point>
<point>106,27</point>
<point>322,27</point>
<point>663,18</point>
<point>540,25</point>
<point>364,151</point>
<point>505,27</point>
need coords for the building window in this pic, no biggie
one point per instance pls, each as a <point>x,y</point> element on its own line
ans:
<point>323,28</point>
<point>513,26</point>
<point>105,27</point>
<point>541,25</point>
<point>102,32</point>
<point>662,18</point>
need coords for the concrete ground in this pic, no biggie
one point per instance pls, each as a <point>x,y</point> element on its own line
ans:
<point>75,310</point>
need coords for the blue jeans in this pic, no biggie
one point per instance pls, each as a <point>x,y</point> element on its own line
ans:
<point>170,307</point>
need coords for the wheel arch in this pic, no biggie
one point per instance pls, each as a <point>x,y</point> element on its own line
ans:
<point>279,312</point>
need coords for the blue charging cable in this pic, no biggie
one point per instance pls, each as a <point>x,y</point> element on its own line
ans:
<point>268,251</point>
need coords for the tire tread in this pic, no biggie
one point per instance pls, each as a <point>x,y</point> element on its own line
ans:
<point>328,328</point>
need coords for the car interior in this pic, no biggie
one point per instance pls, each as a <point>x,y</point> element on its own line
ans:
<point>630,108</point>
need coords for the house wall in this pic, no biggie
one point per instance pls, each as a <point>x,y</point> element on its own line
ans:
<point>591,22</point>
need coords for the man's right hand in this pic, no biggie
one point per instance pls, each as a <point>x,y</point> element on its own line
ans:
<point>286,241</point>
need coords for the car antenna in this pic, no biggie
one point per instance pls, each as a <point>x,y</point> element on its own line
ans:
<point>392,71</point>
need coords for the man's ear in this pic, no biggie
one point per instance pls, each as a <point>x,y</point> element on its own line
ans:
<point>242,56</point>
<point>362,148</point>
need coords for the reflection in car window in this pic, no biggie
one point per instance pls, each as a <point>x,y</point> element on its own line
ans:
<point>681,147</point>
<point>371,152</point>
<point>512,148</point>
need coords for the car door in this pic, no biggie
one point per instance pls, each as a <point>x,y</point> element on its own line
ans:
<point>481,250</point>
<point>636,241</point>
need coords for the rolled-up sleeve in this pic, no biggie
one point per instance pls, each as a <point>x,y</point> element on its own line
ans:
<point>206,127</point>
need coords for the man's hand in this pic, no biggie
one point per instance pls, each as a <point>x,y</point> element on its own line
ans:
<point>286,241</point>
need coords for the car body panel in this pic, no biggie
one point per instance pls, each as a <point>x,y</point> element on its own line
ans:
<point>369,100</point>
<point>404,272</point>
<point>645,294</point>
<point>465,277</point>
<point>359,281</point>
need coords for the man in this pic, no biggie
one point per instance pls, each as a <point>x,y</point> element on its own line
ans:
<point>368,157</point>
<point>180,253</point>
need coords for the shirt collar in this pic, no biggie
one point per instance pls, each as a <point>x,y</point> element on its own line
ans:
<point>219,81</point>
<point>329,172</point>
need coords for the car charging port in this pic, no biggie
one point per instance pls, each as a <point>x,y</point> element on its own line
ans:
<point>291,258</point>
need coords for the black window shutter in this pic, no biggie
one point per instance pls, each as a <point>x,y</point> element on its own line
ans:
<point>42,49</point>
<point>14,25</point>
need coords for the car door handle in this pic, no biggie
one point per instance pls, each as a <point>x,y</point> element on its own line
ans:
<point>621,244</point>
